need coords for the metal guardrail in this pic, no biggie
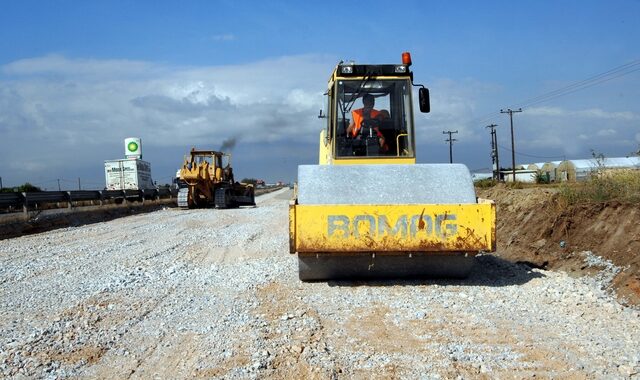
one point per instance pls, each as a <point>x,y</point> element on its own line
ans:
<point>112,194</point>
<point>11,199</point>
<point>84,195</point>
<point>29,200</point>
<point>34,198</point>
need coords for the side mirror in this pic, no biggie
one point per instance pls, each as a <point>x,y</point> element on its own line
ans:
<point>423,98</point>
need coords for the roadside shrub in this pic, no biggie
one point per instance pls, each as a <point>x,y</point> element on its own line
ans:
<point>251,181</point>
<point>515,185</point>
<point>629,184</point>
<point>621,185</point>
<point>542,178</point>
<point>485,183</point>
<point>569,193</point>
<point>27,187</point>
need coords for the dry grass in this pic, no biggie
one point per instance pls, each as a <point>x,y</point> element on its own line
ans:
<point>620,185</point>
<point>485,183</point>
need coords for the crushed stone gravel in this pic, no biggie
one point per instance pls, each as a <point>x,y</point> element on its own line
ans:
<point>215,294</point>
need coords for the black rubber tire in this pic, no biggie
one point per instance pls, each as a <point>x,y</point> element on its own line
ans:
<point>336,266</point>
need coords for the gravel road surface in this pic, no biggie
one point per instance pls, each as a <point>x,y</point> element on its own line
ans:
<point>214,294</point>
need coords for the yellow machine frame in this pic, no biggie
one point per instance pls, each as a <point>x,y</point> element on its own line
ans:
<point>393,228</point>
<point>390,229</point>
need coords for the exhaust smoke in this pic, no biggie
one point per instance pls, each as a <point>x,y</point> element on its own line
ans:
<point>228,144</point>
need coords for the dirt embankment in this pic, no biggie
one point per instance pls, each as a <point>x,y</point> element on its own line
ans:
<point>535,227</point>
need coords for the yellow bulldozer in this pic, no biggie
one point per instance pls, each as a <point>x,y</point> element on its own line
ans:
<point>368,210</point>
<point>206,180</point>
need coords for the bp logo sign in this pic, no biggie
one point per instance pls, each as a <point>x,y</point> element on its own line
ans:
<point>132,147</point>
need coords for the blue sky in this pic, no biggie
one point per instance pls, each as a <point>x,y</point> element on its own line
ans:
<point>76,78</point>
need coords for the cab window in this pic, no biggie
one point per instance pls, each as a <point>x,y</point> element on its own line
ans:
<point>373,118</point>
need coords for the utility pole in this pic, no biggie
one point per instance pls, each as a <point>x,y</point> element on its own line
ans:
<point>494,151</point>
<point>450,141</point>
<point>79,188</point>
<point>0,183</point>
<point>513,149</point>
<point>58,184</point>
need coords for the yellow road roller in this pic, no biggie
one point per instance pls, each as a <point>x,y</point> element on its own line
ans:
<point>367,210</point>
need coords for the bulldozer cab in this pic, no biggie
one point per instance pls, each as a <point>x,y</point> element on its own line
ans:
<point>211,158</point>
<point>208,164</point>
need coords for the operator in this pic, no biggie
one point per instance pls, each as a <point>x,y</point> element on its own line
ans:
<point>367,112</point>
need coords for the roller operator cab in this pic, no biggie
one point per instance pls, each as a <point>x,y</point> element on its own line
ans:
<point>367,209</point>
<point>386,134</point>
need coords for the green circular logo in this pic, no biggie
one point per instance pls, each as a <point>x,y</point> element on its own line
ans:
<point>132,146</point>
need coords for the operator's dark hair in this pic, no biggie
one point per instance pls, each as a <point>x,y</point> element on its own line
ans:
<point>368,98</point>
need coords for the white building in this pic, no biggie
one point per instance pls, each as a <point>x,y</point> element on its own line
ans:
<point>580,170</point>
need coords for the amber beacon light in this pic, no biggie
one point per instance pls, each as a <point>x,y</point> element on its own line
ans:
<point>406,58</point>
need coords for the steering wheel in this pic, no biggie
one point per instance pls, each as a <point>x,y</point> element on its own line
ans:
<point>367,126</point>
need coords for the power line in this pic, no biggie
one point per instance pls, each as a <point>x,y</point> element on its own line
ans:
<point>586,83</point>
<point>605,76</point>
<point>530,155</point>
<point>485,118</point>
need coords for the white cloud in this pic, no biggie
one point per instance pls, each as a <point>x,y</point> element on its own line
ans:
<point>220,101</point>
<point>546,111</point>
<point>560,131</point>
<point>59,110</point>
<point>453,104</point>
<point>593,113</point>
<point>59,67</point>
<point>58,113</point>
<point>28,165</point>
<point>606,132</point>
<point>598,113</point>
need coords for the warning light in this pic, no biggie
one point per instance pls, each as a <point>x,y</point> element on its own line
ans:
<point>406,58</point>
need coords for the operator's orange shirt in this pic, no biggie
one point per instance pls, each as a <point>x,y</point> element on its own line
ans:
<point>358,117</point>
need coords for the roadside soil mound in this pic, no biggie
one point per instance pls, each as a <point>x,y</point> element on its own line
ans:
<point>536,228</point>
